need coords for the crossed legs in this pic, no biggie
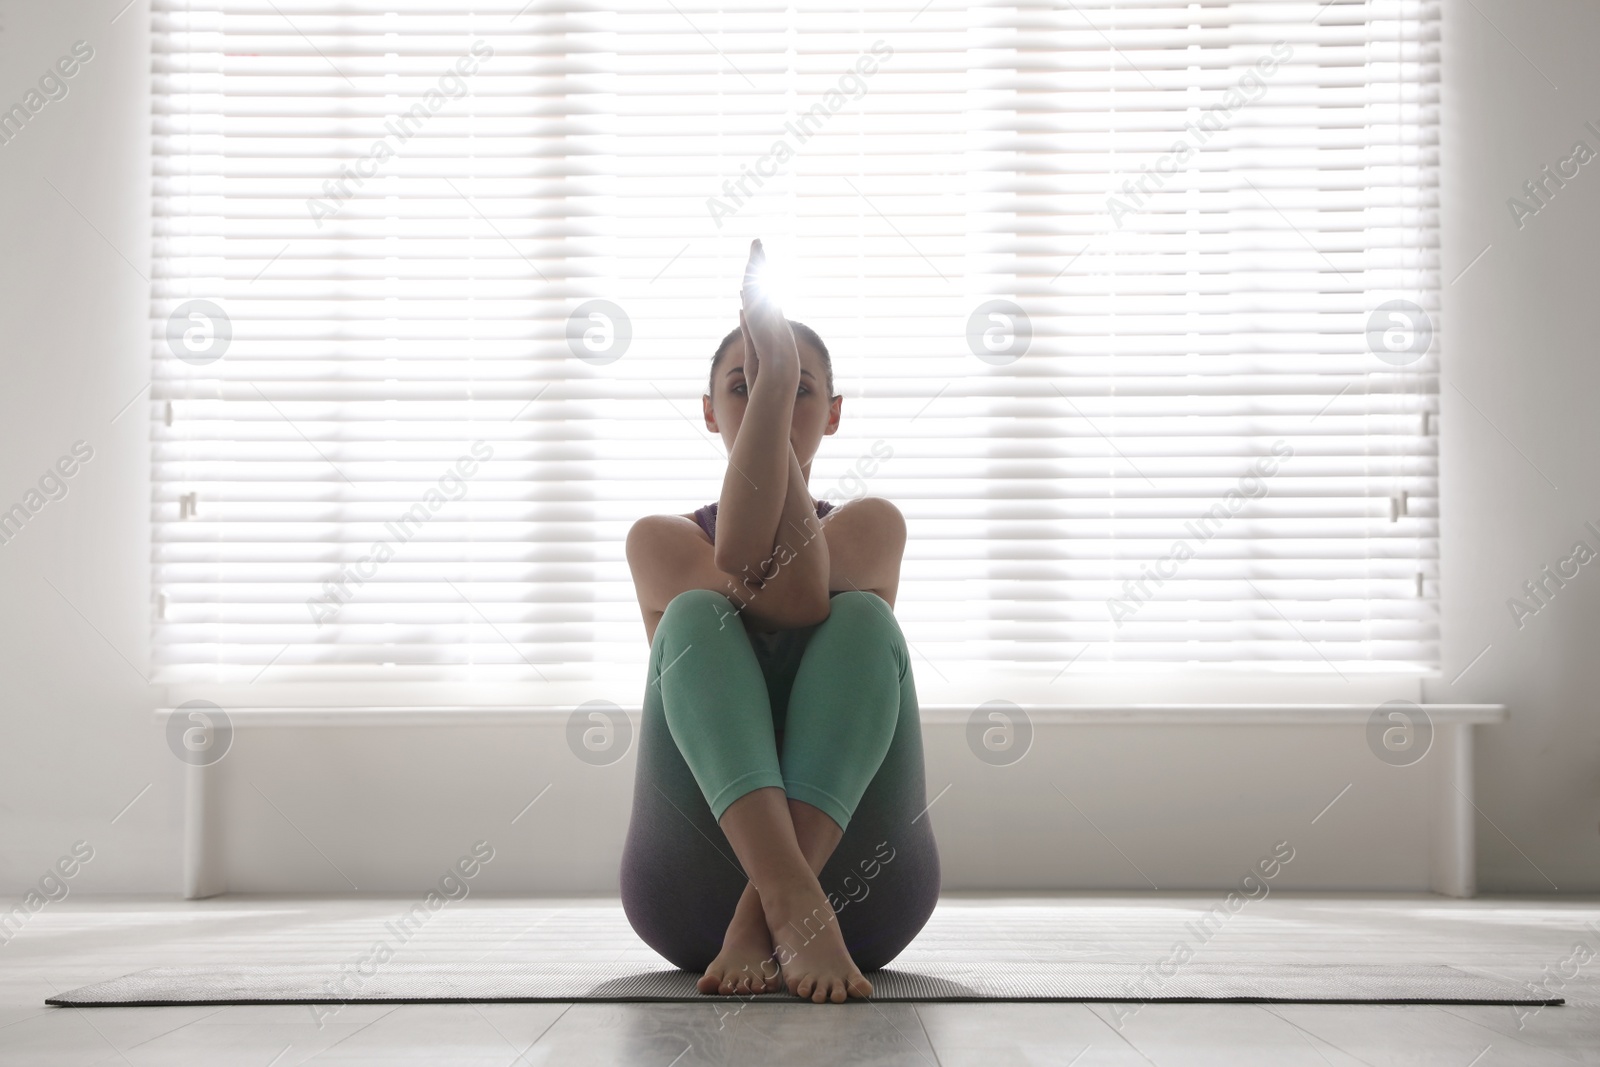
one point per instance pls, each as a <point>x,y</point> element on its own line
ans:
<point>785,933</point>
<point>783,816</point>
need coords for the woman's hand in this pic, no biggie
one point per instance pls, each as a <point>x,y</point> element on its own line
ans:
<point>769,340</point>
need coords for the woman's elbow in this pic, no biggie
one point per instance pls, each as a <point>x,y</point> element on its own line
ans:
<point>735,563</point>
<point>740,561</point>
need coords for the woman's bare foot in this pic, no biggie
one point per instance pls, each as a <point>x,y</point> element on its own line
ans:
<point>805,933</point>
<point>745,965</point>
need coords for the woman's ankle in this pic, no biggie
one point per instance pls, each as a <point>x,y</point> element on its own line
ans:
<point>800,898</point>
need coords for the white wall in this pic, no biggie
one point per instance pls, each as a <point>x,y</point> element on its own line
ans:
<point>77,744</point>
<point>325,808</point>
<point>1520,342</point>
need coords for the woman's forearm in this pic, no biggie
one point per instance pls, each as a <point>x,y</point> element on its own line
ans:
<point>756,483</point>
<point>788,587</point>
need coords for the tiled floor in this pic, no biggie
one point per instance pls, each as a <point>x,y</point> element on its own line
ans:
<point>80,940</point>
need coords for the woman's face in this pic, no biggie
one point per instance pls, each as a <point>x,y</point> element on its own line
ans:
<point>815,415</point>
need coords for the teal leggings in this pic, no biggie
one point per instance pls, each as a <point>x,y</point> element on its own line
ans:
<point>827,713</point>
<point>837,691</point>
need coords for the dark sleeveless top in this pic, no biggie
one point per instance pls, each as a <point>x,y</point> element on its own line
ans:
<point>707,516</point>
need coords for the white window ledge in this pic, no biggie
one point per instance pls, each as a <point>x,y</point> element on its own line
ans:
<point>1266,713</point>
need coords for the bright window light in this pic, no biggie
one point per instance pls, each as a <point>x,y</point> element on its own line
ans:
<point>1133,308</point>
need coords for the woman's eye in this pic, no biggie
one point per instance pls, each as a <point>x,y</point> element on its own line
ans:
<point>739,388</point>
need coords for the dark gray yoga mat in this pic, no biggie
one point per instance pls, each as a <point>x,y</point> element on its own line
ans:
<point>1335,983</point>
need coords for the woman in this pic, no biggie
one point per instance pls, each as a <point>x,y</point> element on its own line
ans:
<point>780,717</point>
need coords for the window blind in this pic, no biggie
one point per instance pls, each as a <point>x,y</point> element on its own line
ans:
<point>1132,305</point>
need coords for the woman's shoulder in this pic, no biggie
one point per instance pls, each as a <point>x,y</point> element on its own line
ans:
<point>667,550</point>
<point>665,517</point>
<point>869,507</point>
<point>871,525</point>
<point>672,522</point>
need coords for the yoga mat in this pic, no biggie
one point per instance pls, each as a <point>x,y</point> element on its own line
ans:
<point>1333,983</point>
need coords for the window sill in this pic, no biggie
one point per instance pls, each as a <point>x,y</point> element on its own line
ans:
<point>1263,713</point>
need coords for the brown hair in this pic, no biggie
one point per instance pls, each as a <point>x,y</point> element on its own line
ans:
<point>802,332</point>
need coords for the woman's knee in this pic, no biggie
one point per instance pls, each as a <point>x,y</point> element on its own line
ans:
<point>861,605</point>
<point>698,600</point>
<point>699,608</point>
<point>865,614</point>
